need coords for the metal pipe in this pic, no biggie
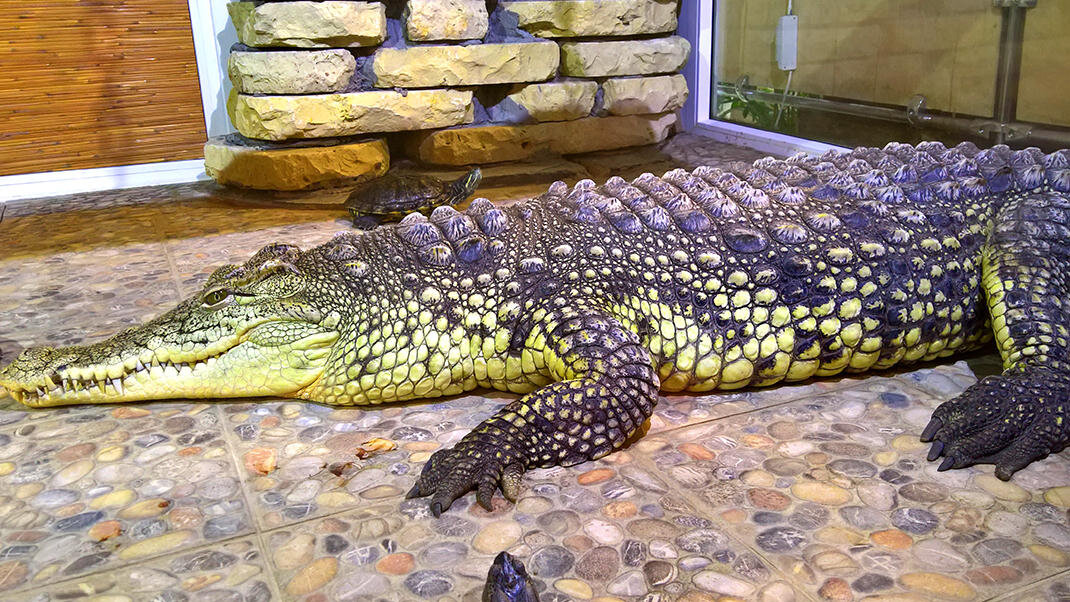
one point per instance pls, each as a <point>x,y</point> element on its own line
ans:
<point>1009,67</point>
<point>817,104</point>
<point>915,115</point>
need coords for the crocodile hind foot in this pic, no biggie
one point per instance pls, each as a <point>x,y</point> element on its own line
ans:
<point>1008,420</point>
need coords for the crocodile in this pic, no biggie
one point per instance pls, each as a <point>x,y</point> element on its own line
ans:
<point>588,300</point>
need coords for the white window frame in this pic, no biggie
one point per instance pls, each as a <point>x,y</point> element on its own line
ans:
<point>213,35</point>
<point>696,24</point>
<point>212,38</point>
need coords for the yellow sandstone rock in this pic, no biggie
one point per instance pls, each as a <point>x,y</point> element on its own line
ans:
<point>291,71</point>
<point>293,168</point>
<point>331,24</point>
<point>624,57</point>
<point>571,18</point>
<point>550,101</point>
<point>488,144</point>
<point>938,586</point>
<point>639,95</point>
<point>428,20</point>
<point>312,577</point>
<point>453,65</point>
<point>155,545</point>
<point>348,114</point>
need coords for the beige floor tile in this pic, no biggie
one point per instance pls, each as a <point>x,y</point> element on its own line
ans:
<point>230,570</point>
<point>835,491</point>
<point>109,487</point>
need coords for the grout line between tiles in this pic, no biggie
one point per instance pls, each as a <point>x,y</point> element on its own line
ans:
<point>140,561</point>
<point>248,534</point>
<point>254,517</point>
<point>171,265</point>
<point>1013,594</point>
<point>752,410</point>
<point>269,567</point>
<point>707,510</point>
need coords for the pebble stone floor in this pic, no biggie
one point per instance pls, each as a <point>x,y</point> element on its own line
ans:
<point>807,492</point>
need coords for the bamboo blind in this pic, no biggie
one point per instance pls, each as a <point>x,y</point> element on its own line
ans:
<point>97,83</point>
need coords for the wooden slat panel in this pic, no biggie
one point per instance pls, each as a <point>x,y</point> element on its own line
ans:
<point>96,83</point>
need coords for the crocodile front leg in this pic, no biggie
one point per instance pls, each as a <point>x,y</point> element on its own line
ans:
<point>1021,415</point>
<point>605,390</point>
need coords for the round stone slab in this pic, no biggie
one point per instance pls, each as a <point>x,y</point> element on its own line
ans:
<point>232,161</point>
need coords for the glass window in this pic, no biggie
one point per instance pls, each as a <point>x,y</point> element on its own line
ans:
<point>865,73</point>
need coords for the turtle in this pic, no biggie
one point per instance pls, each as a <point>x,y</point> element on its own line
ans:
<point>393,196</point>
<point>508,581</point>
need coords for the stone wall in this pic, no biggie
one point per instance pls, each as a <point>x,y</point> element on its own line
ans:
<point>454,82</point>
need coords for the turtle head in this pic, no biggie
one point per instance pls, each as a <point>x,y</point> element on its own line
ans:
<point>463,187</point>
<point>508,581</point>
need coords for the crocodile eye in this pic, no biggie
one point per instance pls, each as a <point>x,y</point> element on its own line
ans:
<point>215,297</point>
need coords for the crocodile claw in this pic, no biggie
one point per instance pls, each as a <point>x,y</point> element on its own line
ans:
<point>934,451</point>
<point>930,431</point>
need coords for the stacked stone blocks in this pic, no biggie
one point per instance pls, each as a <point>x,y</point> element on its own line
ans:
<point>464,85</point>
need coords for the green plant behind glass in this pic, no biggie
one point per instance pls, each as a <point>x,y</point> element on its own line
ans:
<point>731,107</point>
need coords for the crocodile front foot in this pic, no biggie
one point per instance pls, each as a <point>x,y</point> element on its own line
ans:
<point>471,464</point>
<point>1008,420</point>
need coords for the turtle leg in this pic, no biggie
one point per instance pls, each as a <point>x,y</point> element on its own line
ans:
<point>362,221</point>
<point>1022,415</point>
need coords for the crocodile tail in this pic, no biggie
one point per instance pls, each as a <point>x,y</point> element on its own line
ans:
<point>463,187</point>
<point>928,171</point>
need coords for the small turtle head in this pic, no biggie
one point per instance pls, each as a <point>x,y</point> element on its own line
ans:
<point>463,187</point>
<point>508,581</point>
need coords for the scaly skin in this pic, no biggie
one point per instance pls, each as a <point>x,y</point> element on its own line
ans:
<point>587,301</point>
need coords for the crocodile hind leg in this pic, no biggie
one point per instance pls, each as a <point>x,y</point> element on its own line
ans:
<point>605,390</point>
<point>1021,415</point>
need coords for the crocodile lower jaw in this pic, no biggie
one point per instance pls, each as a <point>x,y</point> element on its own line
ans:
<point>221,373</point>
<point>68,389</point>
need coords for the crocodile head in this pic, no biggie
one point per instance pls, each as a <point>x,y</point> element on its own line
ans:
<point>265,328</point>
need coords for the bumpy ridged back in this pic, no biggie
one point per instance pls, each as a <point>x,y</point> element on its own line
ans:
<point>923,189</point>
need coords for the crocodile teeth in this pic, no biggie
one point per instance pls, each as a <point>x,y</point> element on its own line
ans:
<point>100,385</point>
<point>41,392</point>
<point>139,365</point>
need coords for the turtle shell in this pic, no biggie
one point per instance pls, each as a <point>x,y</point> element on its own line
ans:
<point>393,194</point>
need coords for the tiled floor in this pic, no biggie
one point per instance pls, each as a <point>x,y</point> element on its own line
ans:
<point>818,491</point>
